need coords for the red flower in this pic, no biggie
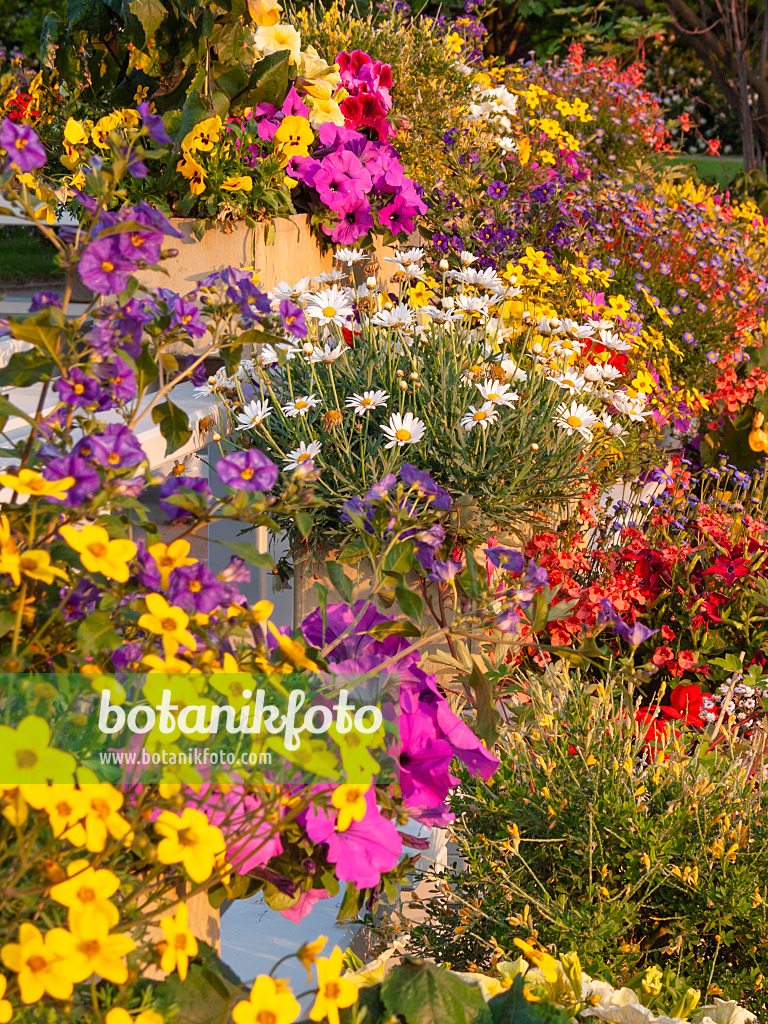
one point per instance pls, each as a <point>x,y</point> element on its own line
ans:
<point>685,702</point>
<point>667,633</point>
<point>729,569</point>
<point>662,655</point>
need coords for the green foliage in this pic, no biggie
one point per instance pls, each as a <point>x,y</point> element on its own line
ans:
<point>596,835</point>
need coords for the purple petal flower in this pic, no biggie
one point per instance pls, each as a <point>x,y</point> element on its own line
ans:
<point>196,589</point>
<point>154,125</point>
<point>425,486</point>
<point>44,300</point>
<point>535,576</point>
<point>102,268</point>
<point>87,480</point>
<point>23,148</point>
<point>363,851</point>
<point>78,389</point>
<point>187,315</point>
<point>119,380</point>
<point>115,448</point>
<point>293,318</point>
<point>248,471</point>
<point>505,558</point>
<point>173,485</point>
<point>444,572</point>
<point>398,216</point>
<point>355,220</point>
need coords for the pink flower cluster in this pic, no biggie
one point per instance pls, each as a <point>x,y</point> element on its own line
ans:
<point>368,83</point>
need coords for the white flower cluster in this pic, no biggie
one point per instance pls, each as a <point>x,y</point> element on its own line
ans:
<point>744,701</point>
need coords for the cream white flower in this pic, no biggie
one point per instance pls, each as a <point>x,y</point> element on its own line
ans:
<point>440,316</point>
<point>300,406</point>
<point>330,306</point>
<point>328,354</point>
<point>609,372</point>
<point>294,292</point>
<point>273,38</point>
<point>329,277</point>
<point>467,258</point>
<point>470,304</point>
<point>613,341</point>
<point>215,383</point>
<point>253,414</point>
<point>487,413</point>
<point>571,327</point>
<point>408,259</point>
<point>507,145</point>
<point>487,278</point>
<point>350,256</point>
<point>578,419</point>
<point>304,453</point>
<point>367,401</point>
<point>498,394</point>
<point>270,355</point>
<point>402,430</point>
<point>512,371</point>
<point>396,317</point>
<point>569,380</point>
<point>634,408</point>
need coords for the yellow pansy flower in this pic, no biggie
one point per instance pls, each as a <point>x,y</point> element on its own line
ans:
<point>194,174</point>
<point>294,136</point>
<point>180,944</point>
<point>29,482</point>
<point>189,839</point>
<point>270,1000</point>
<point>333,991</point>
<point>238,183</point>
<point>75,133</point>
<point>103,127</point>
<point>169,622</point>
<point>99,553</point>
<point>203,136</point>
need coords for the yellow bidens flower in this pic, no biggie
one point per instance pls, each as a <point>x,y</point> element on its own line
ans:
<point>103,819</point>
<point>180,945</point>
<point>308,953</point>
<point>539,958</point>
<point>26,758</point>
<point>99,553</point>
<point>119,1015</point>
<point>88,890</point>
<point>190,840</point>
<point>34,564</point>
<point>169,622</point>
<point>351,804</point>
<point>6,1009</point>
<point>270,1002</point>
<point>30,482</point>
<point>96,951</point>
<point>37,961</point>
<point>333,991</point>
<point>171,556</point>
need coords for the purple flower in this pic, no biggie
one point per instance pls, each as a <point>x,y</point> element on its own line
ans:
<point>505,558</point>
<point>44,300</point>
<point>102,268</point>
<point>236,572</point>
<point>382,488</point>
<point>119,380</point>
<point>355,220</point>
<point>535,576</point>
<point>341,178</point>
<point>115,448</point>
<point>497,190</point>
<point>78,389</point>
<point>444,572</point>
<point>87,480</point>
<point>361,852</point>
<point>426,543</point>
<point>81,601</point>
<point>509,620</point>
<point>248,471</point>
<point>196,589</point>
<point>24,149</point>
<point>154,125</point>
<point>293,318</point>
<point>136,167</point>
<point>425,759</point>
<point>146,569</point>
<point>187,315</point>
<point>425,486</point>
<point>634,634</point>
<point>398,216</point>
<point>127,658</point>
<point>173,485</point>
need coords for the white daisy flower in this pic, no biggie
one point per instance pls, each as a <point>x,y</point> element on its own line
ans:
<point>215,383</point>
<point>300,406</point>
<point>328,353</point>
<point>600,325</point>
<point>507,145</point>
<point>471,304</point>
<point>408,259</point>
<point>402,430</point>
<point>569,380</point>
<point>634,408</point>
<point>593,373</point>
<point>568,326</point>
<point>271,355</point>
<point>283,290</point>
<point>304,453</point>
<point>253,414</point>
<point>330,306</point>
<point>440,316</point>
<point>399,317</point>
<point>350,256</point>
<point>487,413</point>
<point>613,341</point>
<point>470,277</point>
<point>367,401</point>
<point>498,394</point>
<point>546,324</point>
<point>329,277</point>
<point>247,370</point>
<point>512,371</point>
<point>565,346</point>
<point>609,372</point>
<point>578,419</point>
<point>467,258</point>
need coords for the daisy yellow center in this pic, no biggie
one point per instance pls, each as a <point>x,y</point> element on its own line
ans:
<point>329,311</point>
<point>574,421</point>
<point>367,401</point>
<point>402,434</point>
<point>300,404</point>
<point>304,457</point>
<point>480,415</point>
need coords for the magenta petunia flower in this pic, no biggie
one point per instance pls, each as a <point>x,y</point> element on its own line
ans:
<point>362,852</point>
<point>341,179</point>
<point>398,216</point>
<point>355,220</point>
<point>23,148</point>
<point>248,471</point>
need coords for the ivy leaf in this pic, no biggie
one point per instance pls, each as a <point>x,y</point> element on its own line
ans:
<point>249,553</point>
<point>96,633</point>
<point>423,993</point>
<point>174,425</point>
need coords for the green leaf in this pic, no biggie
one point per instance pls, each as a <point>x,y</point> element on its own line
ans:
<point>146,369</point>
<point>410,603</point>
<point>351,904</point>
<point>423,993</point>
<point>304,523</point>
<point>151,14</point>
<point>249,553</point>
<point>96,633</point>
<point>174,425</point>
<point>341,582</point>
<point>206,994</point>
<point>511,1007</point>
<point>488,717</point>
<point>268,80</point>
<point>27,368</point>
<point>402,628</point>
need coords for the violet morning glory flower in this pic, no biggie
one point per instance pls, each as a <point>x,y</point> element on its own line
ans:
<point>362,852</point>
<point>44,300</point>
<point>248,471</point>
<point>79,389</point>
<point>444,572</point>
<point>103,268</point>
<point>87,480</point>
<point>196,589</point>
<point>382,488</point>
<point>293,318</point>
<point>355,220</point>
<point>154,125</point>
<point>426,486</point>
<point>172,485</point>
<point>23,148</point>
<point>505,558</point>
